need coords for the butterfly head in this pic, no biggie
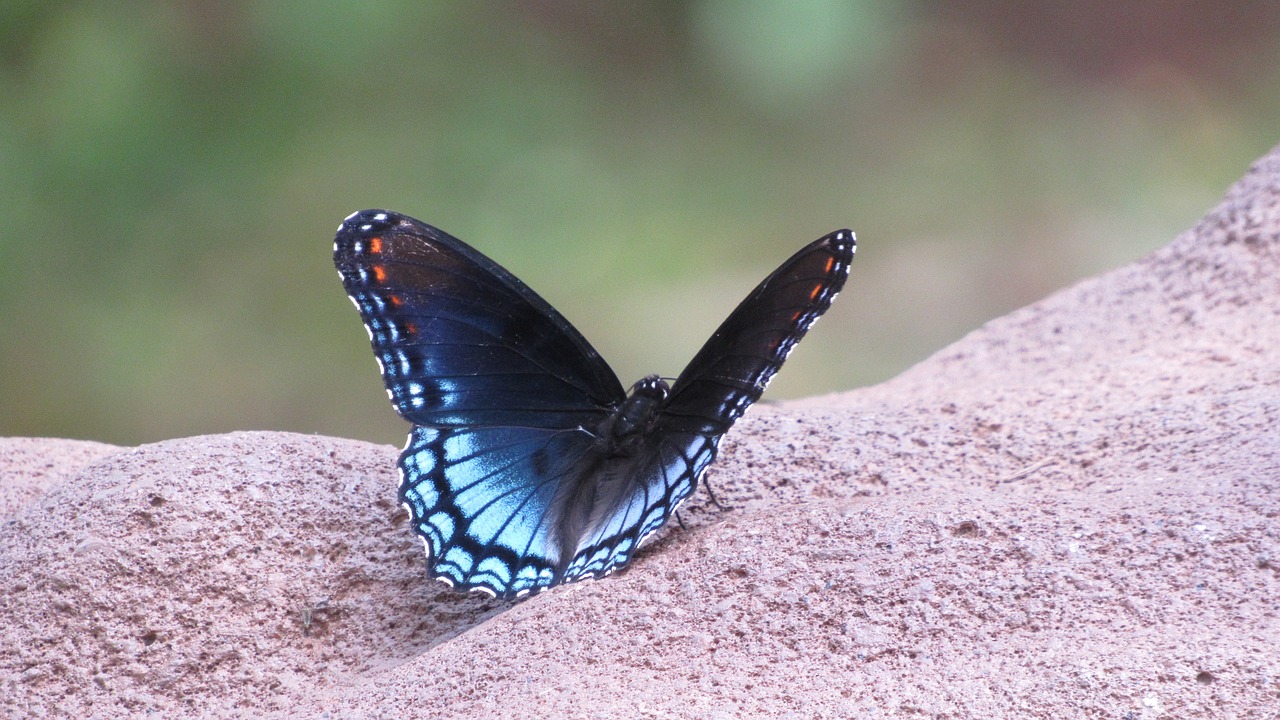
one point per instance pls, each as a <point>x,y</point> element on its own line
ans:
<point>651,386</point>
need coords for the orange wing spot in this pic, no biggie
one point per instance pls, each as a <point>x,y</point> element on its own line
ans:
<point>379,273</point>
<point>831,262</point>
<point>796,315</point>
<point>817,290</point>
<point>394,301</point>
<point>410,329</point>
<point>375,246</point>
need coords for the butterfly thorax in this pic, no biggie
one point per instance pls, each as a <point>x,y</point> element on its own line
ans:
<point>625,429</point>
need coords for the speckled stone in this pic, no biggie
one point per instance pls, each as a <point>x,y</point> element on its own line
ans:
<point>1072,512</point>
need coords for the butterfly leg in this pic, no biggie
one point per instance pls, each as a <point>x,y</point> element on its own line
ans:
<point>714,501</point>
<point>712,495</point>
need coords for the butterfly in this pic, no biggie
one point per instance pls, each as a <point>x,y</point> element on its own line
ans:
<point>528,464</point>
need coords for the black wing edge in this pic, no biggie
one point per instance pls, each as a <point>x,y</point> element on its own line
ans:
<point>734,367</point>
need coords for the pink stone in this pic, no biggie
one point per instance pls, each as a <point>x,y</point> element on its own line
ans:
<point>1072,512</point>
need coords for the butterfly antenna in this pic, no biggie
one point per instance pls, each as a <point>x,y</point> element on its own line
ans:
<point>680,521</point>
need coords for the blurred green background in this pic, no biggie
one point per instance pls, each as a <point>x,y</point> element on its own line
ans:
<point>172,173</point>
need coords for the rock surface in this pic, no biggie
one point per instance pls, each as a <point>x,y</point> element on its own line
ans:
<point>1072,512</point>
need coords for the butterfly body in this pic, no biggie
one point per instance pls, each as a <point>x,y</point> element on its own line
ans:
<point>528,464</point>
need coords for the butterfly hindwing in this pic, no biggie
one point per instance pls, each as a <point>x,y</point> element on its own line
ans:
<point>657,480</point>
<point>484,499</point>
<point>733,368</point>
<point>491,503</point>
<point>460,340</point>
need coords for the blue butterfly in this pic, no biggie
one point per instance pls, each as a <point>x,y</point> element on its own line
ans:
<point>528,464</point>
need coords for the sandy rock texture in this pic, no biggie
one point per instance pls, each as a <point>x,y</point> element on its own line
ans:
<point>30,466</point>
<point>1074,512</point>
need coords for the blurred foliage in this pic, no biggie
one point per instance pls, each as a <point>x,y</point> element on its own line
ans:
<point>172,173</point>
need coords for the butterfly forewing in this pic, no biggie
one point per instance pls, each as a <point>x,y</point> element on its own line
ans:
<point>733,368</point>
<point>460,340</point>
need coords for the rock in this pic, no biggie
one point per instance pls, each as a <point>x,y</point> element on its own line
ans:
<point>31,466</point>
<point>1072,512</point>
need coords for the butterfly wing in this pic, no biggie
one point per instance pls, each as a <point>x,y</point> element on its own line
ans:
<point>484,500</point>
<point>460,340</point>
<point>498,385</point>
<point>727,375</point>
<point>651,485</point>
<point>493,504</point>
<point>733,368</point>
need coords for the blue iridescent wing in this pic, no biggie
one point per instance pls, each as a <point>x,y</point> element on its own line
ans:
<point>485,501</point>
<point>496,506</point>
<point>733,368</point>
<point>460,340</point>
